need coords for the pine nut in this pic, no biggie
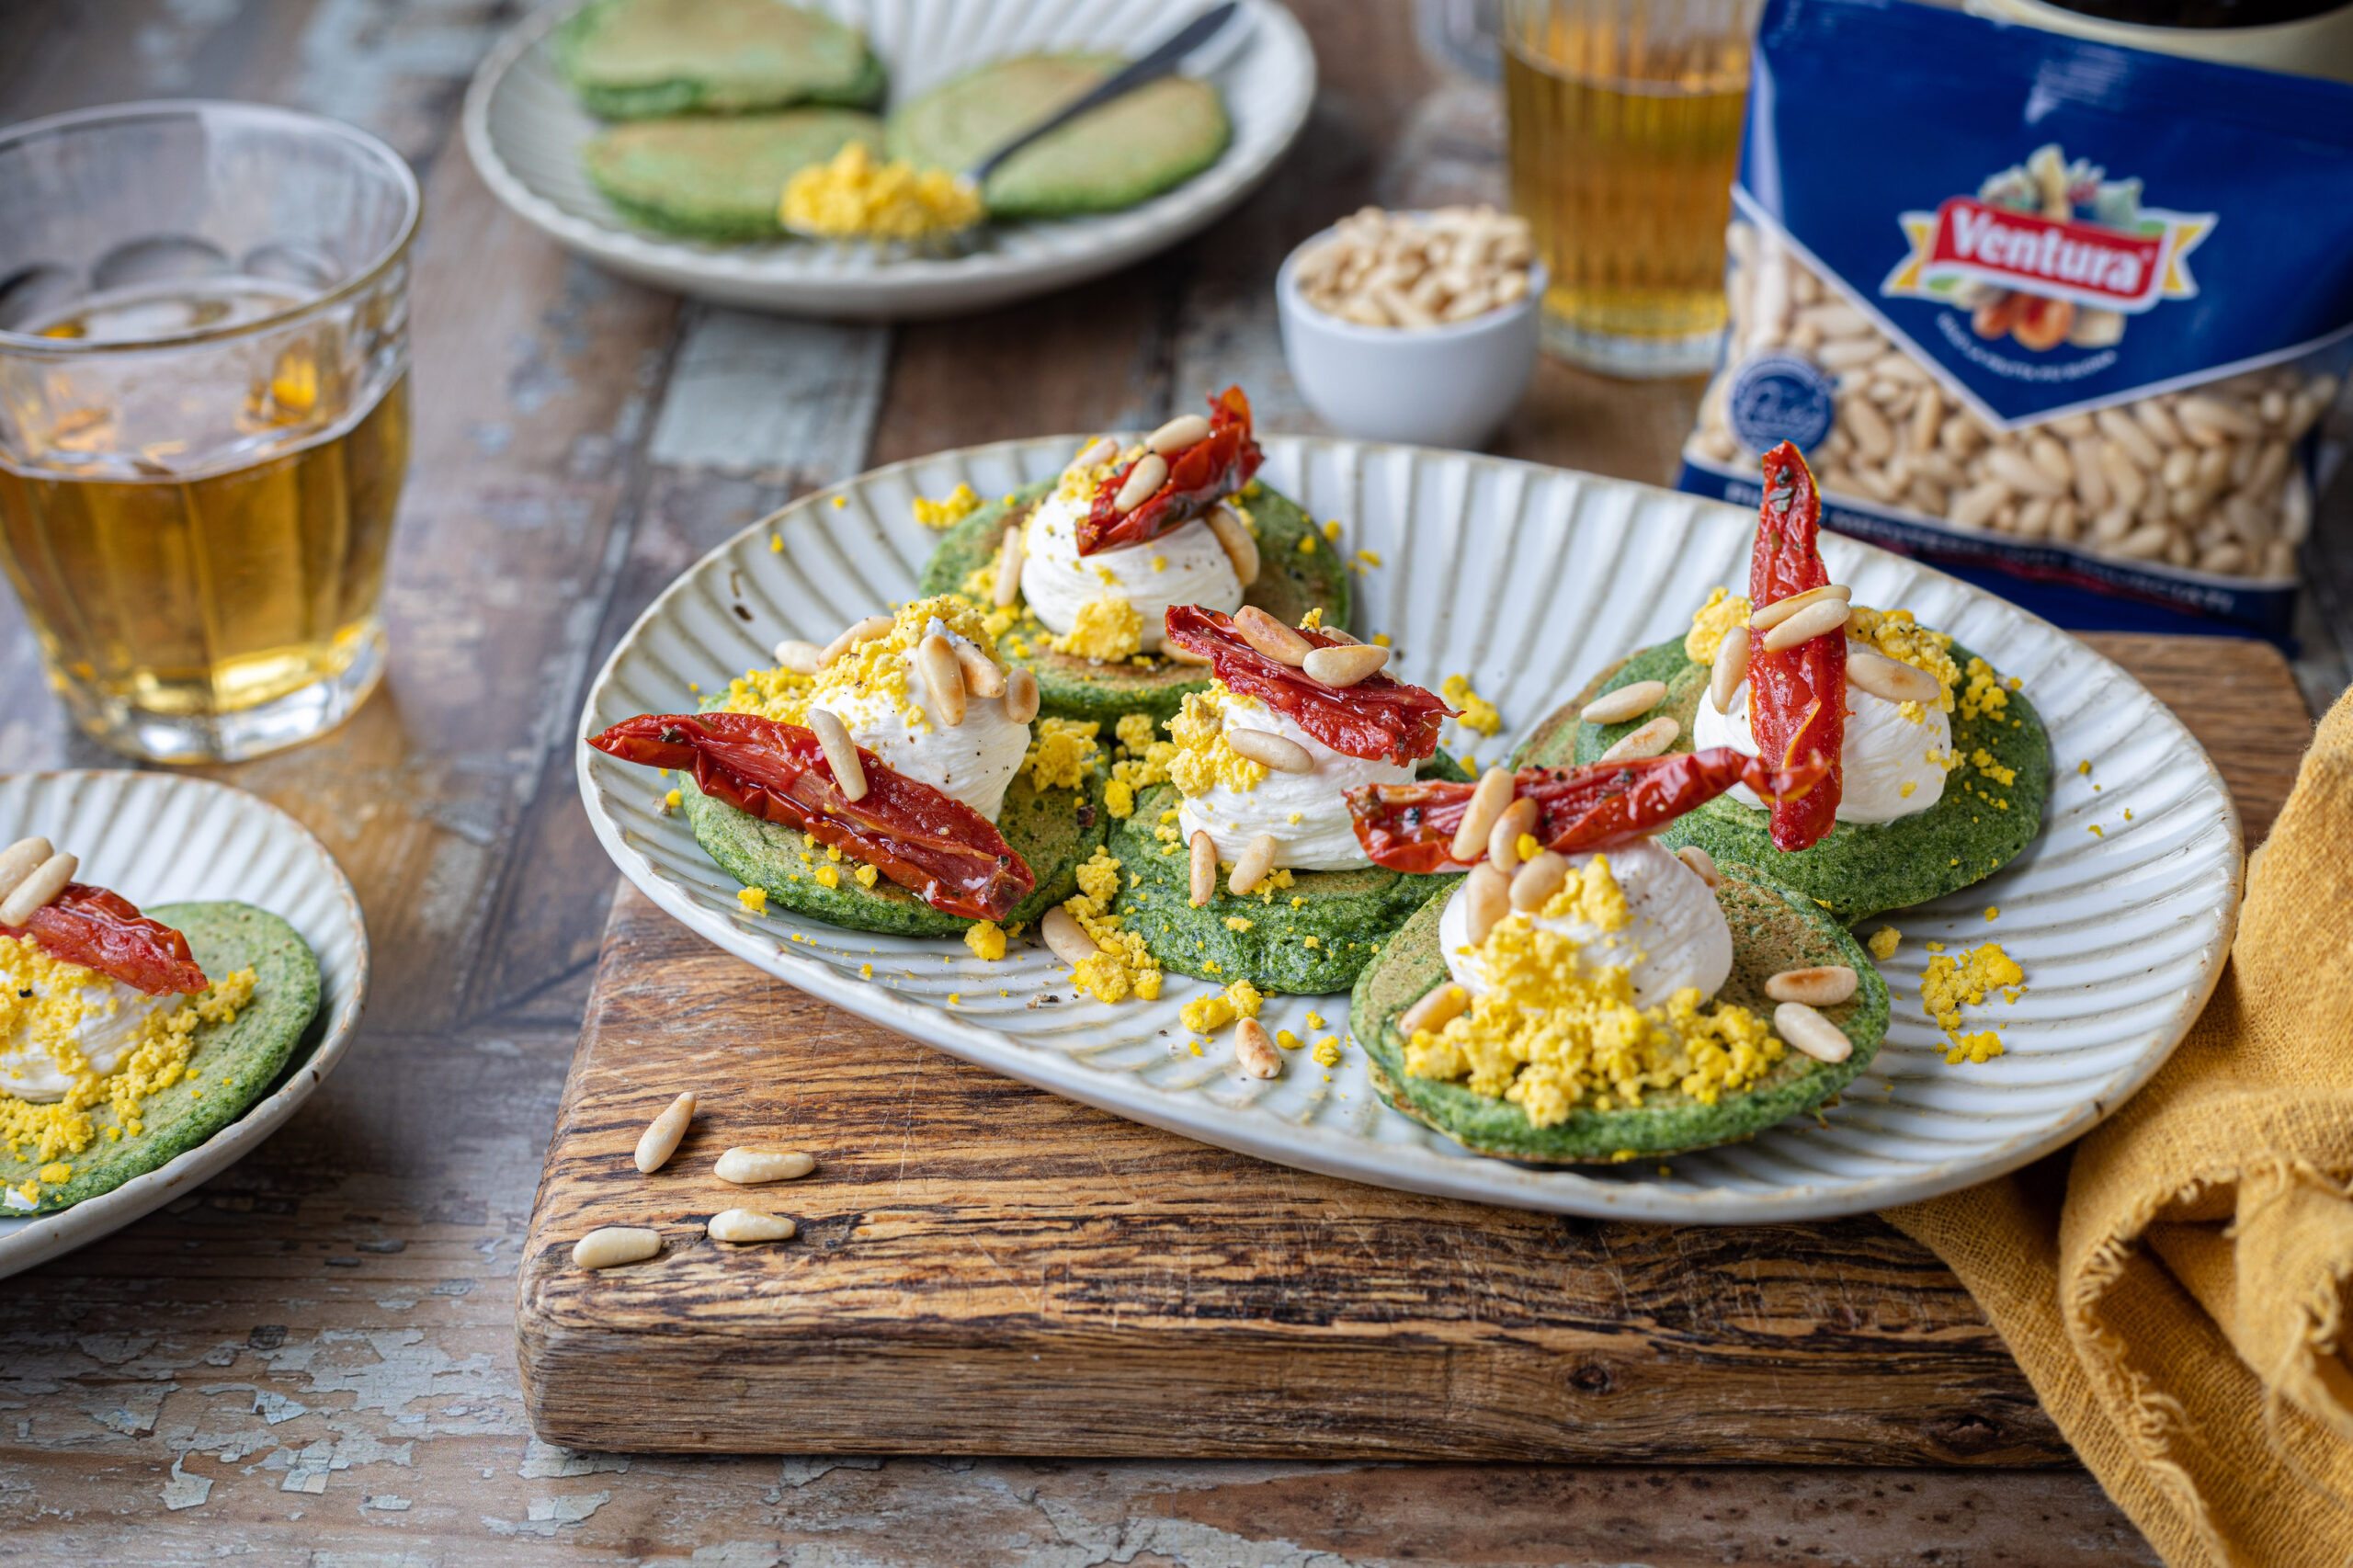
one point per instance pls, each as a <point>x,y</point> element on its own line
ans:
<point>18,861</point>
<point>1823,985</point>
<point>1278,752</point>
<point>865,631</point>
<point>1233,537</point>
<point>1185,430</point>
<point>981,675</point>
<point>1487,898</point>
<point>1701,863</point>
<point>1810,1032</point>
<point>1770,615</point>
<point>660,1140</point>
<point>1143,481</point>
<point>44,882</point>
<point>2117,426</point>
<point>1730,669</point>
<point>1815,620</point>
<point>1627,702</point>
<point>1435,1010</point>
<point>1346,665</point>
<point>1533,885</point>
<point>1067,937</point>
<point>1503,839</point>
<point>1176,655</point>
<point>1271,637</point>
<point>1204,868</point>
<point>800,658</point>
<point>1020,696</point>
<point>1890,678</point>
<point>611,1245</point>
<point>1009,554</point>
<point>1100,450</point>
<point>1250,866</point>
<point>841,753</point>
<point>1649,740</point>
<point>1254,1052</point>
<point>937,660</point>
<point>745,1225</point>
<point>751,1167</point>
<point>1486,803</point>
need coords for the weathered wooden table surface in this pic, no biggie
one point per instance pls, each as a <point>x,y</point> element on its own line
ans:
<point>313,1360</point>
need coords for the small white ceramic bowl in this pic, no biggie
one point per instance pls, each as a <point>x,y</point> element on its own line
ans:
<point>1430,386</point>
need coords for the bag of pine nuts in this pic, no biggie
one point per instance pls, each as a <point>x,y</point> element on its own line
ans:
<point>2060,316</point>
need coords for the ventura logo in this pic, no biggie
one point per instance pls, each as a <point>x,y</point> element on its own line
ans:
<point>1968,245</point>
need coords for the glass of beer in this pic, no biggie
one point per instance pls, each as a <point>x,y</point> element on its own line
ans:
<point>203,415</point>
<point>1625,121</point>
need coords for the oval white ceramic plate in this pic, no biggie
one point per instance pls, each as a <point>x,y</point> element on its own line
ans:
<point>166,838</point>
<point>1530,580</point>
<point>525,130</point>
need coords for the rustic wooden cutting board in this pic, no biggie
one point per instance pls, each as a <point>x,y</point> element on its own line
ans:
<point>985,1269</point>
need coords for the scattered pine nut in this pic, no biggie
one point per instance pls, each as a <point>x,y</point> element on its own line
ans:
<point>751,1167</point>
<point>936,658</point>
<point>742,1225</point>
<point>1185,430</point>
<point>1435,1010</point>
<point>1251,867</point>
<point>1817,620</point>
<point>1892,679</point>
<point>981,678</point>
<point>1066,936</point>
<point>1486,803</point>
<point>841,753</point>
<point>20,860</point>
<point>1254,1052</point>
<point>1346,665</point>
<point>611,1245</point>
<point>1770,615</point>
<point>1151,472</point>
<point>800,658</point>
<point>1022,696</point>
<point>1730,669</point>
<point>1627,702</point>
<point>660,1140</point>
<point>1487,898</point>
<point>1278,752</point>
<point>1823,985</point>
<point>1007,586</point>
<point>865,631</point>
<point>1271,637</point>
<point>44,882</point>
<point>1503,839</point>
<point>1101,449</point>
<point>1533,885</point>
<point>1810,1032</point>
<point>1702,862</point>
<point>1204,868</point>
<point>1649,740</point>
<point>1234,538</point>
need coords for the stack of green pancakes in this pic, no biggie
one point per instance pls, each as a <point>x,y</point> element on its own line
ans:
<point>643,59</point>
<point>234,1065</point>
<point>1858,868</point>
<point>1292,581</point>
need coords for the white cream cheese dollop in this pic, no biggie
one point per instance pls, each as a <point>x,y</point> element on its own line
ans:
<point>1324,838</point>
<point>1058,582</point>
<point>1674,934</point>
<point>974,762</point>
<point>112,1016</point>
<point>1882,752</point>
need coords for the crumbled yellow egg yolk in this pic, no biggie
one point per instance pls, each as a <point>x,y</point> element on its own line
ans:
<point>986,938</point>
<point>1722,611</point>
<point>1203,1014</point>
<point>1108,628</point>
<point>958,504</point>
<point>1885,942</point>
<point>1894,633</point>
<point>1948,984</point>
<point>754,900</point>
<point>1477,712</point>
<point>853,194</point>
<point>1120,965</point>
<point>1204,760</point>
<point>1145,765</point>
<point>1987,694</point>
<point>1553,1033</point>
<point>878,665</point>
<point>47,1135</point>
<point>1062,753</point>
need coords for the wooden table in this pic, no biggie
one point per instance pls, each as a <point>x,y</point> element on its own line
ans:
<point>313,1360</point>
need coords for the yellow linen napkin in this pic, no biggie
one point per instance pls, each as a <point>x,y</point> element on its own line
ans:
<point>2174,1286</point>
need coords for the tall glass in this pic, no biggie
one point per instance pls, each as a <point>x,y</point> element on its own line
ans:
<point>1625,121</point>
<point>203,415</point>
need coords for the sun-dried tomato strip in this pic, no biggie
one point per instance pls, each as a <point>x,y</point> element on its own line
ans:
<point>1198,478</point>
<point>1378,719</point>
<point>1796,696</point>
<point>1410,827</point>
<point>929,843</point>
<point>104,931</point>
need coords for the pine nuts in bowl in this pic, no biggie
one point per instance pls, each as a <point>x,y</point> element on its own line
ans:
<point>1412,326</point>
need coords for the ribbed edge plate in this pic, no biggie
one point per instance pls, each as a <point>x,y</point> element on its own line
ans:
<point>1530,580</point>
<point>524,130</point>
<point>166,838</point>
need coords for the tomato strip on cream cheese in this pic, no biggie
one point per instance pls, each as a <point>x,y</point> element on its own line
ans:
<point>1796,696</point>
<point>104,931</point>
<point>1378,719</point>
<point>1411,827</point>
<point>1198,478</point>
<point>929,843</point>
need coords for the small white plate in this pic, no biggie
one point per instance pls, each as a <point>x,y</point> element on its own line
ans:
<point>524,130</point>
<point>166,838</point>
<point>1530,580</point>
